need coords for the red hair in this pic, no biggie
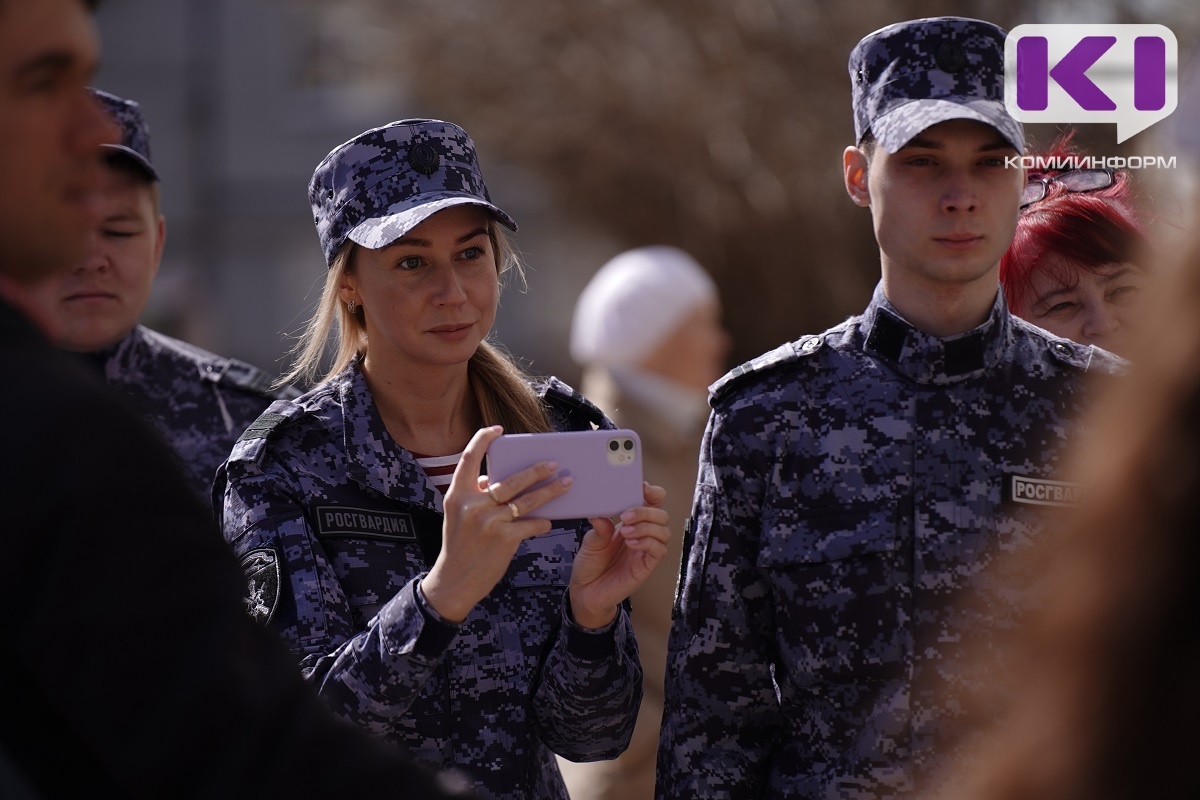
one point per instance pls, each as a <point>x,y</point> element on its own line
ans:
<point>1088,229</point>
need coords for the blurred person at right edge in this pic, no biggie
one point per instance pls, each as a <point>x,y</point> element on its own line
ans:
<point>647,331</point>
<point>1109,667</point>
<point>1079,262</point>
<point>855,485</point>
<point>129,664</point>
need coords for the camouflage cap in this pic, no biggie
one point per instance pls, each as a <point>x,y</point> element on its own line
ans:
<point>911,75</point>
<point>135,133</point>
<point>384,182</point>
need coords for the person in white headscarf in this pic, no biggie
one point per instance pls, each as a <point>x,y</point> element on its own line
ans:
<point>647,331</point>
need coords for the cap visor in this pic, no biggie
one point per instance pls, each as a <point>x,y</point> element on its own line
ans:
<point>382,231</point>
<point>897,127</point>
<point>134,156</point>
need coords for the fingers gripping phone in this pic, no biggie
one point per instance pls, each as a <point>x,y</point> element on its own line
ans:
<point>606,466</point>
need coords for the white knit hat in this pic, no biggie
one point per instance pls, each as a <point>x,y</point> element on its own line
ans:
<point>634,302</point>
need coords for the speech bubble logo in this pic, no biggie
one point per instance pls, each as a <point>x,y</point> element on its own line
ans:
<point>1126,74</point>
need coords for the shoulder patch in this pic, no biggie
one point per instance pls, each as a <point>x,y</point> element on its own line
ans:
<point>1084,357</point>
<point>574,406</point>
<point>262,427</point>
<point>1107,363</point>
<point>1069,353</point>
<point>803,347</point>
<point>261,568</point>
<point>240,375</point>
<point>212,367</point>
<point>251,445</point>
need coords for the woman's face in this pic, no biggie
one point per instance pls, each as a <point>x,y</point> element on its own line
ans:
<point>694,354</point>
<point>1093,306</point>
<point>430,297</point>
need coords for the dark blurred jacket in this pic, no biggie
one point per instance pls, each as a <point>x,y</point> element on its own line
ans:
<point>129,665</point>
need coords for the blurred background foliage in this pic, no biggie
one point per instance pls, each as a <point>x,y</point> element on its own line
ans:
<point>713,125</point>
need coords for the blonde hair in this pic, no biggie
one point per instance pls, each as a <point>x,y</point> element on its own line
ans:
<point>500,386</point>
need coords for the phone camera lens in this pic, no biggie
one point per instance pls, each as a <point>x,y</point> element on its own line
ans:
<point>628,444</point>
<point>614,445</point>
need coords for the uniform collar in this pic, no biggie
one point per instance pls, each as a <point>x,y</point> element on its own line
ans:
<point>376,461</point>
<point>127,357</point>
<point>926,359</point>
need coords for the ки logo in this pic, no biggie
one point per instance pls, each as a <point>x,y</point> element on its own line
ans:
<point>1127,74</point>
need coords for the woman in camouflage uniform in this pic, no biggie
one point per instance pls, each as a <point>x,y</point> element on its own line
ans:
<point>424,605</point>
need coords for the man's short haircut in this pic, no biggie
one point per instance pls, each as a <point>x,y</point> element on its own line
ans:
<point>867,145</point>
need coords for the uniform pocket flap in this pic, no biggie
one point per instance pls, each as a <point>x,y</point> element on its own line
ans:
<point>828,535</point>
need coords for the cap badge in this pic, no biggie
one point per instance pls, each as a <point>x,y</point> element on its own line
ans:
<point>423,158</point>
<point>950,57</point>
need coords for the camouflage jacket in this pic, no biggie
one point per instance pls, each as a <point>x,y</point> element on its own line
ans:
<point>854,490</point>
<point>336,524</point>
<point>198,402</point>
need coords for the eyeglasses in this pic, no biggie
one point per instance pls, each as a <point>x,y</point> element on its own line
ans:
<point>1077,180</point>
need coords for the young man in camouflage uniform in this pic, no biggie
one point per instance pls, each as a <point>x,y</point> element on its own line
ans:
<point>199,402</point>
<point>855,486</point>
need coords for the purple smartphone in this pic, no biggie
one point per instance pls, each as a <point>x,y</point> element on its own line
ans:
<point>606,465</point>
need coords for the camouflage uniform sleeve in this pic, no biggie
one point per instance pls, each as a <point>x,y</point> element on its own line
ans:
<point>591,688</point>
<point>721,715</point>
<point>368,677</point>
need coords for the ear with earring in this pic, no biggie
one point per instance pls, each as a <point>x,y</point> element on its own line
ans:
<point>351,306</point>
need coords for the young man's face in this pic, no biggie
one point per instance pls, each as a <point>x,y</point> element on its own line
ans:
<point>50,133</point>
<point>945,205</point>
<point>96,302</point>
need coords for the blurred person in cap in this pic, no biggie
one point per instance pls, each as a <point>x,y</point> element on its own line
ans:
<point>419,598</point>
<point>647,331</point>
<point>853,484</point>
<point>1078,265</point>
<point>1108,698</point>
<point>131,667</point>
<point>199,402</point>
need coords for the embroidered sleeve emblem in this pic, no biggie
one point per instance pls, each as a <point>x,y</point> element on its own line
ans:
<point>262,584</point>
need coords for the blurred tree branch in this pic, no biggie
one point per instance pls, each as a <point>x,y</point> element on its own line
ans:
<point>714,125</point>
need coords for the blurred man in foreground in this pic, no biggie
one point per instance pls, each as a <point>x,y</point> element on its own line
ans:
<point>197,401</point>
<point>133,670</point>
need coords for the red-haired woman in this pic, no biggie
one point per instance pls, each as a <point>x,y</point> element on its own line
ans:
<point>1076,265</point>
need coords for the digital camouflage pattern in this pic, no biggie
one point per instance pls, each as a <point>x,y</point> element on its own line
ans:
<point>198,402</point>
<point>911,75</point>
<point>135,133</point>
<point>336,525</point>
<point>384,182</point>
<point>852,493</point>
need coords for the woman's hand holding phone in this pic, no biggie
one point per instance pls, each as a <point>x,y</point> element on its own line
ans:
<point>484,525</point>
<point>616,558</point>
